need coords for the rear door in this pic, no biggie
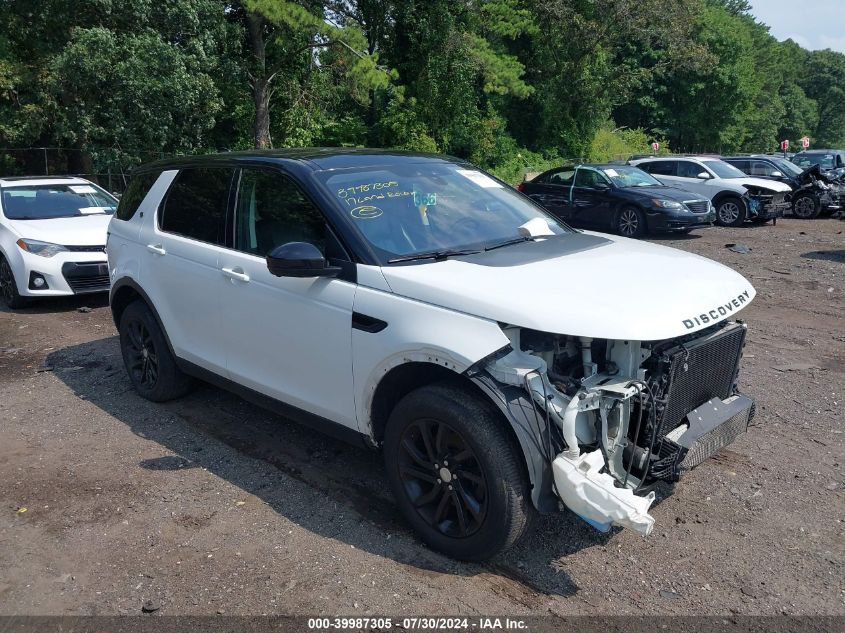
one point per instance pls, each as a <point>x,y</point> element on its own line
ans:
<point>180,272</point>
<point>552,191</point>
<point>687,177</point>
<point>288,338</point>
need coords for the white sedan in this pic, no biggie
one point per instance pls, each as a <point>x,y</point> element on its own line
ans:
<point>52,238</point>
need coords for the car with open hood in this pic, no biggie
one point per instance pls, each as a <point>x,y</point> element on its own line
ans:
<point>502,361</point>
<point>619,199</point>
<point>736,196</point>
<point>52,238</point>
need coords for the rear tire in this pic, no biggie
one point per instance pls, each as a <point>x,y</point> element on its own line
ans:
<point>630,222</point>
<point>9,288</point>
<point>731,211</point>
<point>806,206</point>
<point>457,476</point>
<point>146,355</point>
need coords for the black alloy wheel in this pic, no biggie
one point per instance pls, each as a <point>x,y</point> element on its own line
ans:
<point>443,478</point>
<point>142,360</point>
<point>8,287</point>
<point>147,357</point>
<point>456,471</point>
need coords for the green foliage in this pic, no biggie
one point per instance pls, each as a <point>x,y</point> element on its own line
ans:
<point>513,85</point>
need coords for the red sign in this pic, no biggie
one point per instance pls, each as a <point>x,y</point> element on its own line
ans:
<point>655,147</point>
<point>784,145</point>
<point>805,142</point>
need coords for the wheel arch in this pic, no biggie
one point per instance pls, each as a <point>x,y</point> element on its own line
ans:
<point>123,292</point>
<point>407,377</point>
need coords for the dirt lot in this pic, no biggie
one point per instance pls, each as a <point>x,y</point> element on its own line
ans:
<point>210,505</point>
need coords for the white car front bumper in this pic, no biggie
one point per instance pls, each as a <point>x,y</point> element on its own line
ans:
<point>67,273</point>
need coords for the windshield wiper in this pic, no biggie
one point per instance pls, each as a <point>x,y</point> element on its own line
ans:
<point>516,240</point>
<point>435,255</point>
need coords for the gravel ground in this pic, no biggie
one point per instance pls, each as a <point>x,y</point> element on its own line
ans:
<point>210,505</point>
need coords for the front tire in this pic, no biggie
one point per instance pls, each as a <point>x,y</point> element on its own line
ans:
<point>731,211</point>
<point>9,288</point>
<point>630,222</point>
<point>456,475</point>
<point>146,355</point>
<point>806,206</point>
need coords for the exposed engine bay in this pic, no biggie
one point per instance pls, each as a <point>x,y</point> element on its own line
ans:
<point>613,418</point>
<point>766,204</point>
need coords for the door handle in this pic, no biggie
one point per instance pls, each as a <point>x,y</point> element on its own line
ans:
<point>235,273</point>
<point>158,249</point>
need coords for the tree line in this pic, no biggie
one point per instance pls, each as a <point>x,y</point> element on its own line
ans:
<point>508,84</point>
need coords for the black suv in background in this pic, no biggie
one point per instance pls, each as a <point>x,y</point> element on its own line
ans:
<point>768,167</point>
<point>827,159</point>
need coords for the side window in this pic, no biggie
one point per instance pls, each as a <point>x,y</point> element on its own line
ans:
<point>688,169</point>
<point>271,211</point>
<point>196,204</point>
<point>742,165</point>
<point>588,178</point>
<point>659,168</point>
<point>759,168</point>
<point>134,195</point>
<point>562,177</point>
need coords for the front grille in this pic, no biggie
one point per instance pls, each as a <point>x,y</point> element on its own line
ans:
<point>86,249</point>
<point>696,371</point>
<point>86,277</point>
<point>698,206</point>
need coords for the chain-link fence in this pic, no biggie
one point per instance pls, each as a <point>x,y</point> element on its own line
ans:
<point>60,161</point>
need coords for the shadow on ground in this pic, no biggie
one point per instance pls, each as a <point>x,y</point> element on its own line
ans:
<point>828,256</point>
<point>55,305</point>
<point>201,428</point>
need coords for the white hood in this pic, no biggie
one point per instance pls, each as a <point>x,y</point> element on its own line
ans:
<point>582,284</point>
<point>771,185</point>
<point>84,230</point>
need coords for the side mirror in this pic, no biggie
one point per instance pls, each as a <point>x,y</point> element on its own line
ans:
<point>299,259</point>
<point>703,175</point>
<point>601,186</point>
<point>777,174</point>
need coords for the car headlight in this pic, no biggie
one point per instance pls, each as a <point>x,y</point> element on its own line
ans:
<point>44,249</point>
<point>668,204</point>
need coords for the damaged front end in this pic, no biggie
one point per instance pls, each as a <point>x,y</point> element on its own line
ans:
<point>604,420</point>
<point>764,204</point>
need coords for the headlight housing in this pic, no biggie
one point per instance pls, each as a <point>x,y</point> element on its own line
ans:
<point>668,204</point>
<point>42,249</point>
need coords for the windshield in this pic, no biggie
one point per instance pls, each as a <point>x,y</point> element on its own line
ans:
<point>42,202</point>
<point>428,207</point>
<point>825,161</point>
<point>631,177</point>
<point>786,167</point>
<point>723,169</point>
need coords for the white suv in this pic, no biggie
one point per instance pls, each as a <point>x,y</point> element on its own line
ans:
<point>52,238</point>
<point>736,196</point>
<point>501,360</point>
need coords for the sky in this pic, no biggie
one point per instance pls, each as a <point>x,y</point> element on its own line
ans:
<point>814,24</point>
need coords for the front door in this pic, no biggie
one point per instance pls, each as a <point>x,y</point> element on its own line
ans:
<point>288,338</point>
<point>590,199</point>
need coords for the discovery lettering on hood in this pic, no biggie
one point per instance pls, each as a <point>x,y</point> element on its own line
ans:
<point>719,312</point>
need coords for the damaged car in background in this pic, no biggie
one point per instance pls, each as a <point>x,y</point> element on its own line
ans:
<point>737,197</point>
<point>502,361</point>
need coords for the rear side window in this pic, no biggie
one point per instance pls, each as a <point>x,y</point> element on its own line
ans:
<point>134,195</point>
<point>562,177</point>
<point>196,205</point>
<point>687,169</point>
<point>659,168</point>
<point>742,165</point>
